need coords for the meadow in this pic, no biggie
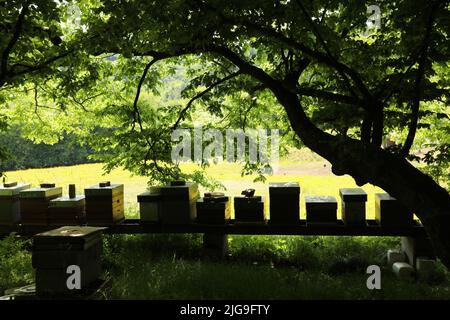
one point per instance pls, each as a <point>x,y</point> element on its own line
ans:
<point>256,267</point>
<point>312,172</point>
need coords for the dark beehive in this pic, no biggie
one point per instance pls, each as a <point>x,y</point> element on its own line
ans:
<point>34,203</point>
<point>353,206</point>
<point>284,200</point>
<point>321,210</point>
<point>66,211</point>
<point>178,202</point>
<point>389,212</point>
<point>54,251</point>
<point>150,205</point>
<point>214,208</point>
<point>249,208</point>
<point>104,204</point>
<point>10,202</point>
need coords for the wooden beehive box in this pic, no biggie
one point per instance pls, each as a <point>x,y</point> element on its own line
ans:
<point>34,203</point>
<point>321,210</point>
<point>150,205</point>
<point>389,212</point>
<point>104,204</point>
<point>54,251</point>
<point>178,203</point>
<point>214,208</point>
<point>249,209</point>
<point>66,211</point>
<point>284,198</point>
<point>10,202</point>
<point>353,208</point>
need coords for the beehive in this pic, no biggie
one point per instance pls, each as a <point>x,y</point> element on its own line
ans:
<point>284,198</point>
<point>10,202</point>
<point>178,202</point>
<point>54,251</point>
<point>150,205</point>
<point>34,203</point>
<point>389,212</point>
<point>214,208</point>
<point>68,210</point>
<point>249,209</point>
<point>104,204</point>
<point>321,210</point>
<point>353,206</point>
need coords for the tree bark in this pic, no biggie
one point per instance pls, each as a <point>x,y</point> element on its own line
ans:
<point>368,163</point>
<point>365,162</point>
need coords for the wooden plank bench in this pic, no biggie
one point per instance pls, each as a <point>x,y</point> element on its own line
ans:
<point>134,226</point>
<point>414,238</point>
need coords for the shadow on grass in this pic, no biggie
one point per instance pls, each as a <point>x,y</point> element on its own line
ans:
<point>257,267</point>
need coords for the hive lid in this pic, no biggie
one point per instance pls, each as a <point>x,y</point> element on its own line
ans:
<point>353,194</point>
<point>66,201</point>
<point>103,189</point>
<point>320,199</point>
<point>252,199</point>
<point>148,197</point>
<point>72,237</point>
<point>284,188</point>
<point>215,197</point>
<point>41,192</point>
<point>11,189</point>
<point>320,203</point>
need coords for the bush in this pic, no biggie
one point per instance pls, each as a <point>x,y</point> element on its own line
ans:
<point>15,263</point>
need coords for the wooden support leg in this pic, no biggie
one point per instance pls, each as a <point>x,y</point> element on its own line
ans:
<point>215,245</point>
<point>417,247</point>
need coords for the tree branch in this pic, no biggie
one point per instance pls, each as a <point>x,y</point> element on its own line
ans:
<point>316,55</point>
<point>201,94</point>
<point>13,41</point>
<point>315,30</point>
<point>415,105</point>
<point>136,113</point>
<point>331,96</point>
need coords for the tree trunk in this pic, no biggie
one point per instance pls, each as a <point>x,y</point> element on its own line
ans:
<point>368,163</point>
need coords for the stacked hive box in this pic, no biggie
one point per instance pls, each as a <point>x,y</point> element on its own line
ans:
<point>54,251</point>
<point>353,206</point>
<point>68,210</point>
<point>321,210</point>
<point>284,202</point>
<point>150,205</point>
<point>178,202</point>
<point>104,204</point>
<point>9,202</point>
<point>249,208</point>
<point>389,212</point>
<point>213,208</point>
<point>34,203</point>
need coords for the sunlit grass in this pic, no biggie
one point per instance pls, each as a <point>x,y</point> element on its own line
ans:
<point>303,166</point>
<point>228,173</point>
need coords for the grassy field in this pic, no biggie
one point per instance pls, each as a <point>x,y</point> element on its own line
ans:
<point>256,267</point>
<point>314,180</point>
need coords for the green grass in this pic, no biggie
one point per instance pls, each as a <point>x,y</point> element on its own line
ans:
<point>257,267</point>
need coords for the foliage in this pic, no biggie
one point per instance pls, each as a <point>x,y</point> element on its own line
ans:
<point>24,153</point>
<point>139,78</point>
<point>15,263</point>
